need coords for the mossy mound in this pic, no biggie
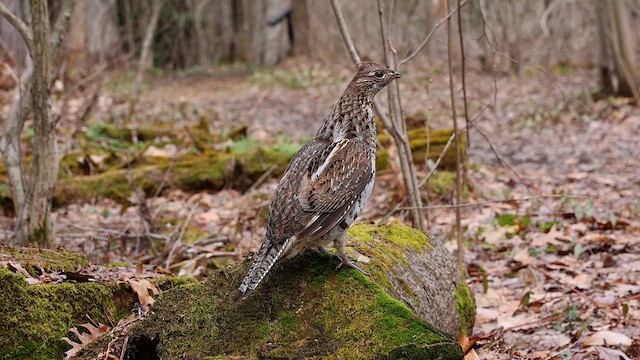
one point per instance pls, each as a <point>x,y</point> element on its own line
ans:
<point>303,309</point>
<point>34,318</point>
<point>35,261</point>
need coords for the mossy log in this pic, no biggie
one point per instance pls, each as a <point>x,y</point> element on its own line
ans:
<point>215,170</point>
<point>425,143</point>
<point>238,167</point>
<point>306,309</point>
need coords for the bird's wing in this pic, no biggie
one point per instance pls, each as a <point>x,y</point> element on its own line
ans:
<point>333,183</point>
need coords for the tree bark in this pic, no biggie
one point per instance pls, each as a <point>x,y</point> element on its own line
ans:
<point>606,83</point>
<point>624,51</point>
<point>32,194</point>
<point>146,58</point>
<point>44,168</point>
<point>301,31</point>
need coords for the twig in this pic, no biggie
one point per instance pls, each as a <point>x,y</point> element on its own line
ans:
<point>490,202</point>
<point>570,287</point>
<point>464,82</point>
<point>344,31</point>
<point>353,52</point>
<point>60,27</point>
<point>124,348</point>
<point>20,25</point>
<point>399,131</point>
<point>428,37</point>
<point>460,250</point>
<point>181,236</point>
<point>438,160</point>
<point>262,178</point>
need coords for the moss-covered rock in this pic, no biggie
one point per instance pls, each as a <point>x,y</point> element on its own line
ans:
<point>305,309</point>
<point>419,271</point>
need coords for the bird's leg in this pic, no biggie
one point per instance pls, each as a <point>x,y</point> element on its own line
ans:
<point>339,244</point>
<point>320,250</point>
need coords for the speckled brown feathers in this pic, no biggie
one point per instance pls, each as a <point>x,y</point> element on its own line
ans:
<point>327,182</point>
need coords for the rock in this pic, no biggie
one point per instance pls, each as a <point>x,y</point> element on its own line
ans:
<point>305,308</point>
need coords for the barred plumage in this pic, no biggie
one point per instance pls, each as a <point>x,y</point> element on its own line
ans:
<point>327,182</point>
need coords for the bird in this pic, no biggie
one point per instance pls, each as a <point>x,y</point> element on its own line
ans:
<point>327,183</point>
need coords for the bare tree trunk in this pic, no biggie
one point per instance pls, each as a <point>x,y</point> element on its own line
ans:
<point>76,39</point>
<point>128,18</point>
<point>624,51</point>
<point>44,168</point>
<point>301,30</point>
<point>146,60</point>
<point>603,56</point>
<point>197,9</point>
<point>32,194</point>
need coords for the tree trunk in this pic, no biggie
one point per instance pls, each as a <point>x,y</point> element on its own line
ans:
<point>197,9</point>
<point>44,168</point>
<point>76,40</point>
<point>146,57</point>
<point>606,83</point>
<point>301,31</point>
<point>624,51</point>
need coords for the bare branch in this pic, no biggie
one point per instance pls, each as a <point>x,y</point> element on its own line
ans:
<point>344,31</point>
<point>20,25</point>
<point>353,52</point>
<point>464,82</point>
<point>60,27</point>
<point>428,37</point>
<point>460,251</point>
<point>500,201</point>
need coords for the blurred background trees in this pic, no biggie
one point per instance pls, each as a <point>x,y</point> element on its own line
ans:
<point>500,37</point>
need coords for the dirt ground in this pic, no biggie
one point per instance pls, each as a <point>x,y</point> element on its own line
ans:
<point>552,203</point>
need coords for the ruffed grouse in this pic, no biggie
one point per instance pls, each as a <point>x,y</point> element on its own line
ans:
<point>327,182</point>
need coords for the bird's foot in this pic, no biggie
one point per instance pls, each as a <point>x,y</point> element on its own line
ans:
<point>346,263</point>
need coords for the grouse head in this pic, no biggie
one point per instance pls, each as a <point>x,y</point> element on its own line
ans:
<point>371,78</point>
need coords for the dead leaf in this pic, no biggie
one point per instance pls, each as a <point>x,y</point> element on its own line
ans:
<point>472,355</point>
<point>550,238</point>
<point>84,338</point>
<point>606,338</point>
<point>142,287</point>
<point>611,354</point>
<point>17,268</point>
<point>466,343</point>
<point>523,257</point>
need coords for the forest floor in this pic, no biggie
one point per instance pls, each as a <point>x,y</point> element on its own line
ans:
<point>552,198</point>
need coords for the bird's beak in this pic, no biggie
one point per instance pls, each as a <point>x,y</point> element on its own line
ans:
<point>396,75</point>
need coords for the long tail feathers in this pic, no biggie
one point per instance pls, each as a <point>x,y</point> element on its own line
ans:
<point>267,256</point>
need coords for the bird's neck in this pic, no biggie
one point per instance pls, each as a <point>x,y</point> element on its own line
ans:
<point>352,117</point>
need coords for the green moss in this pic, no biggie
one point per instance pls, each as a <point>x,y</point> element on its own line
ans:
<point>33,260</point>
<point>387,243</point>
<point>396,234</point>
<point>466,306</point>
<point>442,182</point>
<point>344,315</point>
<point>211,170</point>
<point>422,139</point>
<point>34,318</point>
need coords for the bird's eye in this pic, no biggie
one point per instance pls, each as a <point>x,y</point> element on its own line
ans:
<point>379,74</point>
